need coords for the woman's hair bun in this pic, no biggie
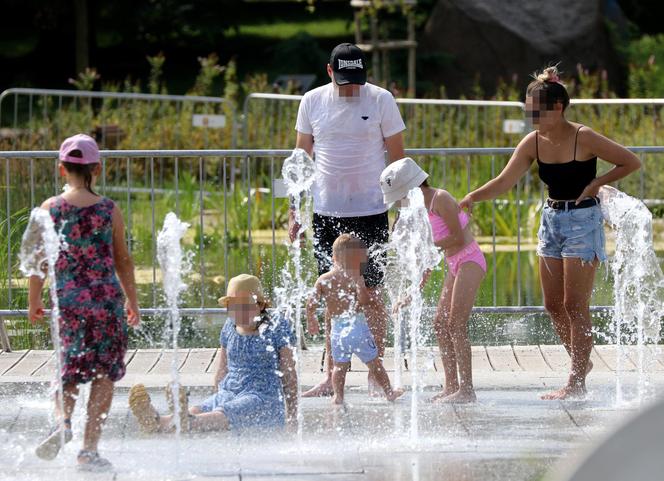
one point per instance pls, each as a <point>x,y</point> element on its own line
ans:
<point>549,74</point>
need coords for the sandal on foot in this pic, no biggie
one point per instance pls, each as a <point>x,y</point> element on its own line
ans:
<point>91,462</point>
<point>142,408</point>
<point>183,404</point>
<point>49,448</point>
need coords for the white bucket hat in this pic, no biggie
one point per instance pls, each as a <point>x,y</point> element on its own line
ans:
<point>399,177</point>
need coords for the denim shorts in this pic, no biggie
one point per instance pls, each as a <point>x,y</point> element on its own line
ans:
<point>574,233</point>
<point>351,335</point>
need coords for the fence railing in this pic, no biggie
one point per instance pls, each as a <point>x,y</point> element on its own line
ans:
<point>32,119</point>
<point>238,223</point>
<point>269,120</point>
<point>40,118</point>
<point>241,220</point>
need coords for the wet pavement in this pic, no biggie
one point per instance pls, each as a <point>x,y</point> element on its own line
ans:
<point>509,434</point>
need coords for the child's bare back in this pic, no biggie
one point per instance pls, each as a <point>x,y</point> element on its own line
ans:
<point>342,292</point>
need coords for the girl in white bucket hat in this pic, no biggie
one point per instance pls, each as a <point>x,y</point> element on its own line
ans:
<point>450,227</point>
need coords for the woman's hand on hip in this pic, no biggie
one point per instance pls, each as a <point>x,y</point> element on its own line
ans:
<point>591,190</point>
<point>467,203</point>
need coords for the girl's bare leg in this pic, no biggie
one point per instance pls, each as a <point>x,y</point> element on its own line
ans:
<point>445,344</point>
<point>199,421</point>
<point>466,284</point>
<point>552,276</point>
<point>70,395</point>
<point>48,449</point>
<point>101,396</point>
<point>553,290</point>
<point>579,277</point>
<point>212,421</point>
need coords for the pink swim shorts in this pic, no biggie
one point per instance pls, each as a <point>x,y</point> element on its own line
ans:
<point>470,253</point>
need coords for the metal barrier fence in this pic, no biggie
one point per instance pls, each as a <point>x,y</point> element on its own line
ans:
<point>40,118</point>
<point>269,120</point>
<point>238,224</point>
<point>33,119</point>
<point>235,223</point>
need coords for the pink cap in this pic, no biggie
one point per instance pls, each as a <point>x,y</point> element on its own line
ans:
<point>85,144</point>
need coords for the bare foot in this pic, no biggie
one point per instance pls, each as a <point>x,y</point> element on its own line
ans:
<point>396,394</point>
<point>374,388</point>
<point>573,391</point>
<point>444,393</point>
<point>324,389</point>
<point>460,397</point>
<point>338,411</point>
<point>338,401</point>
<point>375,392</point>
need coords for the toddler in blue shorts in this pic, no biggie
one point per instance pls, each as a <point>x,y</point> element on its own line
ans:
<point>345,293</point>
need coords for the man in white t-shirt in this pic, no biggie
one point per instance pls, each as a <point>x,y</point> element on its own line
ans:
<point>348,125</point>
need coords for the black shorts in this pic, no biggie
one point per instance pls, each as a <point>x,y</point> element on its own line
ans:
<point>372,229</point>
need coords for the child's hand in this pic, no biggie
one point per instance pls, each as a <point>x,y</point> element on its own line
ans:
<point>36,311</point>
<point>133,314</point>
<point>313,328</point>
<point>425,278</point>
<point>403,302</point>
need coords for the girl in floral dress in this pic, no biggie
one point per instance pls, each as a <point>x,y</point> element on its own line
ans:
<point>94,275</point>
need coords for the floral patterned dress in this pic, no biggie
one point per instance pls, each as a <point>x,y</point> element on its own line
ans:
<point>93,330</point>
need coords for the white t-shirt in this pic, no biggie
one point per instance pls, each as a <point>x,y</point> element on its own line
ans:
<point>349,145</point>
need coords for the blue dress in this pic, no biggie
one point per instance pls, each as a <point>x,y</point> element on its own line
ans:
<point>251,394</point>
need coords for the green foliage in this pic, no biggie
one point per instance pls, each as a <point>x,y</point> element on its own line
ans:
<point>210,70</point>
<point>86,79</point>
<point>156,70</point>
<point>11,233</point>
<point>231,85</point>
<point>646,75</point>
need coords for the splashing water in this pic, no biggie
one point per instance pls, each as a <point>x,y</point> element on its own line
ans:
<point>174,265</point>
<point>638,283</point>
<point>410,253</point>
<point>299,173</point>
<point>40,248</point>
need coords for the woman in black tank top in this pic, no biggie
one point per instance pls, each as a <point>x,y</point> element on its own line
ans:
<point>566,180</point>
<point>571,234</point>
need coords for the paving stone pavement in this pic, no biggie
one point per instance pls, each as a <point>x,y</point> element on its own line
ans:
<point>509,434</point>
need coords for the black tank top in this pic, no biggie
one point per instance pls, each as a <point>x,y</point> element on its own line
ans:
<point>566,180</point>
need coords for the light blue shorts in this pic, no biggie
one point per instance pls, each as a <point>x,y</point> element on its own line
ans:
<point>574,233</point>
<point>351,335</point>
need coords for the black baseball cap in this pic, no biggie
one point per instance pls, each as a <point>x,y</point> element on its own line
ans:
<point>348,64</point>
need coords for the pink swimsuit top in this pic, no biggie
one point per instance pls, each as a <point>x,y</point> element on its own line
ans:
<point>439,228</point>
